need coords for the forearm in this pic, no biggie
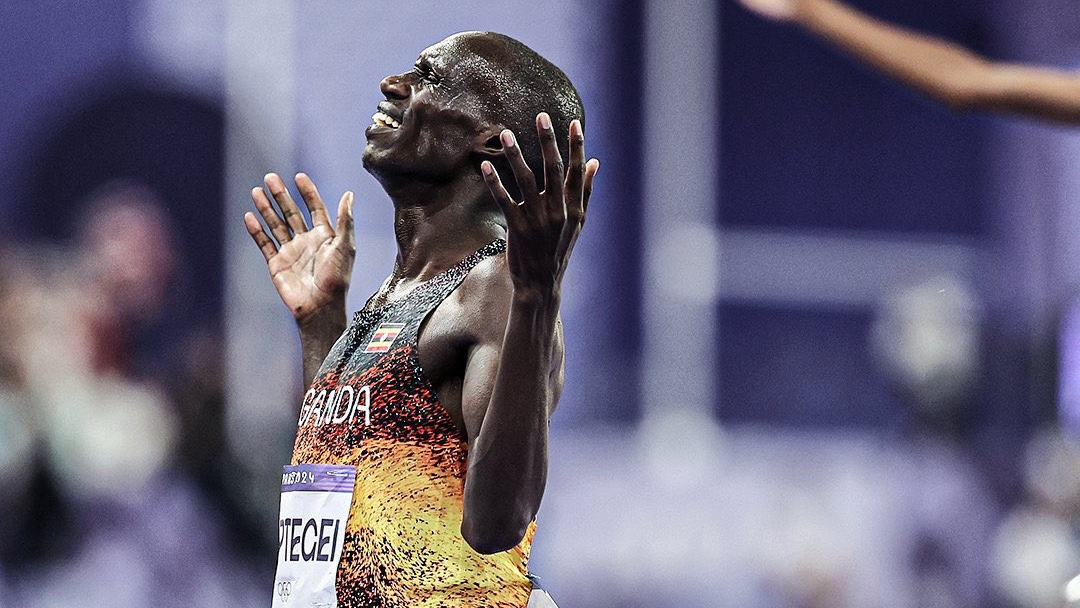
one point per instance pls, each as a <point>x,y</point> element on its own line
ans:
<point>941,69</point>
<point>318,333</point>
<point>507,468</point>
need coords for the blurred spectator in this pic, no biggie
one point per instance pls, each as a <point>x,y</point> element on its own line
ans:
<point>926,340</point>
<point>119,473</point>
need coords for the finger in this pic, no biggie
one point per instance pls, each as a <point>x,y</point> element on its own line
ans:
<point>270,216</point>
<point>574,188</point>
<point>345,227</point>
<point>553,168</point>
<point>289,211</point>
<point>510,208</point>
<point>591,168</point>
<point>314,202</point>
<point>572,230</point>
<point>575,173</point>
<point>523,175</point>
<point>264,242</point>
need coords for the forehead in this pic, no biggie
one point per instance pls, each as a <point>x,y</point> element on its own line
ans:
<point>479,65</point>
<point>466,49</point>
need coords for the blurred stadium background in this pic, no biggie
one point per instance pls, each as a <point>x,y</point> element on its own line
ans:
<point>823,335</point>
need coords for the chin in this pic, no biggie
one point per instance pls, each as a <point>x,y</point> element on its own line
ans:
<point>375,160</point>
<point>367,158</point>
<point>383,169</point>
<point>393,166</point>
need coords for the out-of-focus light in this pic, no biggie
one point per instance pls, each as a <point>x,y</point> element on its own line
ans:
<point>926,338</point>
<point>682,446</point>
<point>1072,590</point>
<point>1052,469</point>
<point>1033,555</point>
<point>686,263</point>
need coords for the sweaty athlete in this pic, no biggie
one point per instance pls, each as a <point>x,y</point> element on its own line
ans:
<point>421,450</point>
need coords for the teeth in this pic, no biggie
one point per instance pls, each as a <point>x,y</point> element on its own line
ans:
<point>384,120</point>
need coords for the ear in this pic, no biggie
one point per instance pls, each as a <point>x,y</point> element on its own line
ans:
<point>488,144</point>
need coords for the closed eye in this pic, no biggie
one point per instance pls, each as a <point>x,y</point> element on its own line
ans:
<point>426,74</point>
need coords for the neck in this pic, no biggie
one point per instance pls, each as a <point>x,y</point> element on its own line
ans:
<point>438,224</point>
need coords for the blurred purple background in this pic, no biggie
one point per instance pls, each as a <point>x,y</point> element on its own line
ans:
<point>823,334</point>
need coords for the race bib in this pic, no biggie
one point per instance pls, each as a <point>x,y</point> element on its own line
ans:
<point>315,501</point>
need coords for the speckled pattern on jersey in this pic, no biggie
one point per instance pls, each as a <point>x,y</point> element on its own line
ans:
<point>403,544</point>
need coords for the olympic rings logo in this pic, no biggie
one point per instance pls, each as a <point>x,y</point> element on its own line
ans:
<point>284,590</point>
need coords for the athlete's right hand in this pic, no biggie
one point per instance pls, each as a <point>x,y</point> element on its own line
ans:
<point>778,10</point>
<point>310,267</point>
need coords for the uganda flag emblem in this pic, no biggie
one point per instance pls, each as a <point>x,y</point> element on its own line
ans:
<point>384,337</point>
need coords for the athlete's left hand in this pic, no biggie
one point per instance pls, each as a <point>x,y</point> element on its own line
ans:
<point>543,228</point>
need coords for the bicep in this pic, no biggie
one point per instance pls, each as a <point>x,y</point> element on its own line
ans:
<point>482,370</point>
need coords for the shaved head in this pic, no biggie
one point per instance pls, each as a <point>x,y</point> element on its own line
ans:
<point>523,84</point>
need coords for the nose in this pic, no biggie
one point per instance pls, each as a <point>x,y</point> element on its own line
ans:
<point>395,87</point>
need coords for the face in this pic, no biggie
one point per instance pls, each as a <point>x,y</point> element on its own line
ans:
<point>437,113</point>
<point>130,244</point>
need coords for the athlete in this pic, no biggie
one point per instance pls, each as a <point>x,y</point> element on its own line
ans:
<point>421,452</point>
<point>941,69</point>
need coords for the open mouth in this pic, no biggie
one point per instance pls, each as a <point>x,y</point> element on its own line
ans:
<point>382,119</point>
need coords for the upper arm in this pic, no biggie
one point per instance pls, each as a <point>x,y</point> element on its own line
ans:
<point>487,294</point>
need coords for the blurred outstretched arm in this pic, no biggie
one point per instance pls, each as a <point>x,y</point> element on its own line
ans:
<point>941,69</point>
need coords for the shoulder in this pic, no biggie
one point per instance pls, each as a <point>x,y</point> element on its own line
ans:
<point>488,284</point>
<point>485,295</point>
<point>476,311</point>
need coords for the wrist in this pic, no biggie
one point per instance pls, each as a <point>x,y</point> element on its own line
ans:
<point>533,295</point>
<point>327,319</point>
<point>536,312</point>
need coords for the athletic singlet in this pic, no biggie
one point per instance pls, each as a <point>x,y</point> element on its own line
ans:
<point>371,406</point>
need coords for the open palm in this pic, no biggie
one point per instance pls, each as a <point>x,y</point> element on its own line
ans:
<point>310,267</point>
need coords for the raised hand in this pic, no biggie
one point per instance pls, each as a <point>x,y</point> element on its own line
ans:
<point>779,10</point>
<point>543,228</point>
<point>311,267</point>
